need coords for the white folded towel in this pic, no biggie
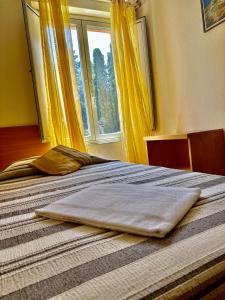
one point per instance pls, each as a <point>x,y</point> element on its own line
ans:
<point>140,209</point>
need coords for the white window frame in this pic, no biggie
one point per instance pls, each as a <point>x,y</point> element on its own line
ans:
<point>86,67</point>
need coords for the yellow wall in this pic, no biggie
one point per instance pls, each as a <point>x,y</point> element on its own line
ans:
<point>189,66</point>
<point>17,105</point>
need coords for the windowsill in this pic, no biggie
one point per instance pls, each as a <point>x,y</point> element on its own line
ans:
<point>107,140</point>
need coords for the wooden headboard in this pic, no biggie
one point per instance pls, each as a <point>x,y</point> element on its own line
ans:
<point>20,142</point>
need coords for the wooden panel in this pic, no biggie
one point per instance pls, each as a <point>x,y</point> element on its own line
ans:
<point>165,137</point>
<point>208,151</point>
<point>20,142</point>
<point>169,153</point>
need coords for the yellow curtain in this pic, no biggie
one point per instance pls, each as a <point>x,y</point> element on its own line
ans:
<point>133,95</point>
<point>63,100</point>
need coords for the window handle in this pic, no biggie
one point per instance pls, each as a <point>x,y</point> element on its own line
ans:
<point>93,100</point>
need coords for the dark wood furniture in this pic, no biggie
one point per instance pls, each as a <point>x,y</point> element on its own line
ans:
<point>197,151</point>
<point>20,142</point>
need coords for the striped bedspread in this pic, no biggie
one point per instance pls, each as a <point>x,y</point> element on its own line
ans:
<point>47,259</point>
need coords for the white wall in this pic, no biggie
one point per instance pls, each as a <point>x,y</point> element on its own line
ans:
<point>189,66</point>
<point>110,151</point>
<point>17,105</point>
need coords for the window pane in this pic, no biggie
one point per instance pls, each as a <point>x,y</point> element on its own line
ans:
<point>77,61</point>
<point>101,57</point>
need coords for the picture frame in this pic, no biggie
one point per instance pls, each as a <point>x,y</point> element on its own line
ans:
<point>213,13</point>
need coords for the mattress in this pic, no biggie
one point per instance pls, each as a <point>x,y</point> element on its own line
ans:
<point>48,259</point>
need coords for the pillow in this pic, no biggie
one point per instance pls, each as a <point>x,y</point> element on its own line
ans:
<point>63,160</point>
<point>20,168</point>
<point>56,163</point>
<point>81,157</point>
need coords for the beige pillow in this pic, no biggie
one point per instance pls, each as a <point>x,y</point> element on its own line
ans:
<point>20,168</point>
<point>56,163</point>
<point>81,157</point>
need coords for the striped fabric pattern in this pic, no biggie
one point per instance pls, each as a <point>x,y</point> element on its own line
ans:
<point>20,168</point>
<point>82,157</point>
<point>48,259</point>
<point>56,163</point>
<point>62,160</point>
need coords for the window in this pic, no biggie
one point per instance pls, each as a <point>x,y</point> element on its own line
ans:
<point>93,59</point>
<point>92,54</point>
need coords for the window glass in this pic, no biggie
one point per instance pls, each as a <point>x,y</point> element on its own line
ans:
<point>106,102</point>
<point>80,81</point>
<point>93,59</point>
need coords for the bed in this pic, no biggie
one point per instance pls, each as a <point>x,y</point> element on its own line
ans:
<point>48,259</point>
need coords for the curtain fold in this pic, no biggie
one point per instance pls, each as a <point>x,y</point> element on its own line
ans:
<point>132,92</point>
<point>64,111</point>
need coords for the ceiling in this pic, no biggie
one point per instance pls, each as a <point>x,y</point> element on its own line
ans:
<point>94,8</point>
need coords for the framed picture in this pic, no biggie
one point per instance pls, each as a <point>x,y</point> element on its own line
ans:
<point>213,13</point>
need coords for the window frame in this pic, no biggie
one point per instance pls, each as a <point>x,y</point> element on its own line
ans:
<point>81,26</point>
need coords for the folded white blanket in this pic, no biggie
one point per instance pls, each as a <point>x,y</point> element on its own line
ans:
<point>140,209</point>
